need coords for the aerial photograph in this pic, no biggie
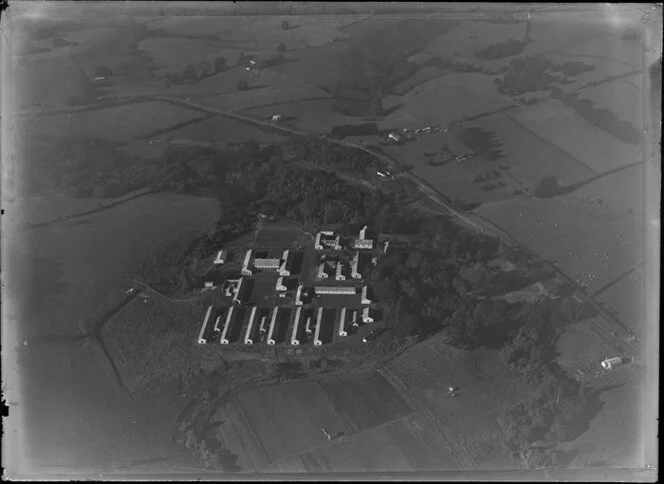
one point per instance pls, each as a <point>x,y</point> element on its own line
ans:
<point>330,240</point>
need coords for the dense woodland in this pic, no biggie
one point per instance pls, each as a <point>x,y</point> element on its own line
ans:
<point>531,74</point>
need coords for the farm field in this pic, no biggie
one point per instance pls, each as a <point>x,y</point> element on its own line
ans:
<point>203,25</point>
<point>275,421</point>
<point>626,300</point>
<point>305,31</point>
<point>529,157</point>
<point>305,114</point>
<point>63,274</point>
<point>614,436</point>
<point>116,123</point>
<point>271,87</point>
<point>443,100</point>
<point>454,179</point>
<point>150,341</point>
<point>561,126</point>
<point>171,54</point>
<point>221,130</point>
<point>411,443</point>
<point>590,243</point>
<point>365,401</point>
<point>485,389</point>
<point>625,100</point>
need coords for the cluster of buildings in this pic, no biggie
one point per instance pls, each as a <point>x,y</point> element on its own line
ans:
<point>295,320</point>
<point>283,265</point>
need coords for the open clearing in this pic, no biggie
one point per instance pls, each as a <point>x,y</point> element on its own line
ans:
<point>529,157</point>
<point>411,443</point>
<point>271,87</point>
<point>365,401</point>
<point>304,32</point>
<point>485,389</point>
<point>116,123</point>
<point>624,100</point>
<point>169,54</point>
<point>590,243</point>
<point>63,274</point>
<point>305,114</point>
<point>561,126</point>
<point>276,421</point>
<point>443,100</point>
<point>151,341</point>
<point>206,25</point>
<point>626,300</point>
<point>219,129</point>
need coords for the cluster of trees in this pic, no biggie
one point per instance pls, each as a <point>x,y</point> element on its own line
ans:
<point>451,64</point>
<point>530,74</point>
<point>191,75</point>
<point>366,129</point>
<point>329,155</point>
<point>600,117</point>
<point>489,176</point>
<point>547,187</point>
<point>503,49</point>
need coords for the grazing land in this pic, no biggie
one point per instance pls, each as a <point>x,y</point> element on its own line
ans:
<point>365,402</point>
<point>116,123</point>
<point>561,126</point>
<point>221,130</point>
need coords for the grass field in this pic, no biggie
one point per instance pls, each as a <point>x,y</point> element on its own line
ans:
<point>528,156</point>
<point>485,386</point>
<point>275,421</point>
<point>151,341</point>
<point>626,299</point>
<point>171,54</point>
<point>304,32</point>
<point>116,123</point>
<point>625,100</point>
<point>408,444</point>
<point>365,401</point>
<point>271,87</point>
<point>203,25</point>
<point>305,114</point>
<point>61,276</point>
<point>221,130</point>
<point>590,243</point>
<point>443,100</point>
<point>561,126</point>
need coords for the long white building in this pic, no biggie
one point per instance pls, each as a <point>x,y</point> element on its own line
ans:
<point>366,316</point>
<point>365,295</point>
<point>319,322</point>
<point>249,335</point>
<point>342,323</point>
<point>347,290</point>
<point>298,296</point>
<point>241,292</point>
<point>295,338</point>
<point>246,271</point>
<point>206,322</point>
<point>339,276</point>
<point>354,266</point>
<point>221,257</point>
<point>225,334</point>
<point>273,326</point>
<point>284,267</point>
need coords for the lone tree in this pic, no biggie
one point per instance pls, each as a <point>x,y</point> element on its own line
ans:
<point>281,48</point>
<point>242,85</point>
<point>284,25</point>
<point>219,64</point>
